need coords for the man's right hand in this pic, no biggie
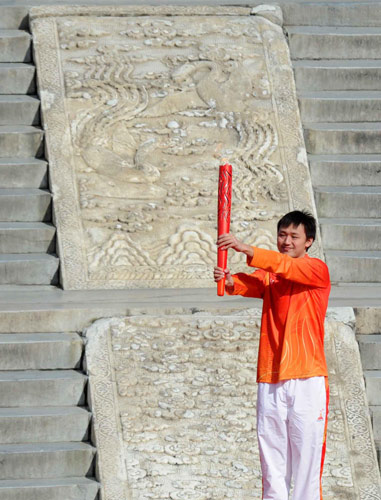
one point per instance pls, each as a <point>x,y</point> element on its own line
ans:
<point>219,274</point>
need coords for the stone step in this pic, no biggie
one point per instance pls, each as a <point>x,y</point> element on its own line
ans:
<point>345,170</point>
<point>368,320</point>
<point>350,234</point>
<point>27,237</point>
<point>71,488</point>
<point>25,205</point>
<point>378,451</point>
<point>29,269</point>
<point>23,173</point>
<point>375,412</point>
<point>354,266</point>
<point>17,78</point>
<point>15,46</point>
<point>373,386</point>
<point>21,141</point>
<point>19,110</point>
<point>40,351</point>
<point>43,425</point>
<point>340,106</point>
<point>331,13</point>
<point>326,42</point>
<point>12,17</point>
<point>370,351</point>
<point>351,201</point>
<point>42,388</point>
<point>348,74</point>
<point>343,138</point>
<point>44,460</point>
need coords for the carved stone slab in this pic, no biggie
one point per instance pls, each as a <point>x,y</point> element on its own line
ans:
<point>135,102</point>
<point>173,399</point>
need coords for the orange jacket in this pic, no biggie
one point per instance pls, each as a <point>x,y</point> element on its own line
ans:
<point>295,298</point>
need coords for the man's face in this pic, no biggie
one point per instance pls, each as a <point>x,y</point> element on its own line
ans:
<point>292,240</point>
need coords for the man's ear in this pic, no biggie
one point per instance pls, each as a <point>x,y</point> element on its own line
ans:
<point>309,242</point>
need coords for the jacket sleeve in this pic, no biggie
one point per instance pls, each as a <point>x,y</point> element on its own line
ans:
<point>249,285</point>
<point>305,270</point>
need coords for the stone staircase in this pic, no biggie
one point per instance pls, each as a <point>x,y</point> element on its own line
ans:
<point>44,420</point>
<point>337,69</point>
<point>337,76</point>
<point>26,233</point>
<point>45,452</point>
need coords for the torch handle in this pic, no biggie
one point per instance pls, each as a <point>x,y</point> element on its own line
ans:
<point>222,260</point>
<point>224,208</point>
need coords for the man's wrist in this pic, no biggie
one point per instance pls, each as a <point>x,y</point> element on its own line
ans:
<point>229,286</point>
<point>248,251</point>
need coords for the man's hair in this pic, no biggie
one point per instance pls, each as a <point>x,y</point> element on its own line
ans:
<point>298,217</point>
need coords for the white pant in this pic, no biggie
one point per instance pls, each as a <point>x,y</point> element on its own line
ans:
<point>291,428</point>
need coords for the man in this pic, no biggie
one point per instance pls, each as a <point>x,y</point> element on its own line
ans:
<point>292,404</point>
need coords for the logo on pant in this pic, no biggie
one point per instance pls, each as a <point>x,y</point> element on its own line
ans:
<point>321,418</point>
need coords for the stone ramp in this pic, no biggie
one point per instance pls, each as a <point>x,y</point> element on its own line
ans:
<point>132,150</point>
<point>337,70</point>
<point>49,359</point>
<point>334,47</point>
<point>173,399</point>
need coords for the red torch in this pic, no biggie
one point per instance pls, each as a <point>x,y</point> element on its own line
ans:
<point>224,208</point>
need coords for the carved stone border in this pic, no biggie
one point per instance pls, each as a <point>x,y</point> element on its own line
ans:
<point>364,464</point>
<point>107,434</point>
<point>74,272</point>
<point>136,10</point>
<point>59,152</point>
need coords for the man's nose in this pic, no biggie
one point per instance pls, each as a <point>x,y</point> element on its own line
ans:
<point>288,239</point>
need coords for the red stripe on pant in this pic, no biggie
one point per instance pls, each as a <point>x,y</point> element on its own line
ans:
<point>325,436</point>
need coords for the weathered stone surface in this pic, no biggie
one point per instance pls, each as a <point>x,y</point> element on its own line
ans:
<point>75,488</point>
<point>40,351</point>
<point>19,110</point>
<point>14,46</point>
<point>17,78</point>
<point>41,388</point>
<point>370,350</point>
<point>173,399</point>
<point>23,237</point>
<point>45,460</point>
<point>336,74</point>
<point>345,170</point>
<point>368,320</point>
<point>340,262</point>
<point>373,386</point>
<point>326,42</point>
<point>43,424</point>
<point>350,234</point>
<point>135,108</point>
<point>376,421</point>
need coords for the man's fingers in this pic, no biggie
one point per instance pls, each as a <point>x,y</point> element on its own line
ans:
<point>220,273</point>
<point>225,237</point>
<point>226,241</point>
